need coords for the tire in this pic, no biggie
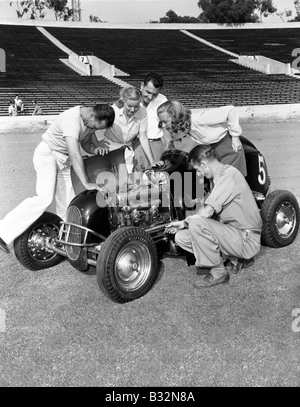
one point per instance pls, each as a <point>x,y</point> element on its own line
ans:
<point>31,246</point>
<point>128,246</point>
<point>280,216</point>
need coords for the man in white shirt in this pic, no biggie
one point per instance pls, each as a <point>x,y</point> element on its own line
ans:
<point>151,99</point>
<point>18,104</point>
<point>58,150</point>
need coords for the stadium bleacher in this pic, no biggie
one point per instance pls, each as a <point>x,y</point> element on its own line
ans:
<point>276,43</point>
<point>35,72</point>
<point>194,73</point>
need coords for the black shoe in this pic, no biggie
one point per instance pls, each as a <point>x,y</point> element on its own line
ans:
<point>241,264</point>
<point>210,281</point>
<point>202,271</point>
<point>3,246</point>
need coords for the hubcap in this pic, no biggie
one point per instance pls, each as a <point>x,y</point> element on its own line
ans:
<point>285,219</point>
<point>38,241</point>
<point>133,266</point>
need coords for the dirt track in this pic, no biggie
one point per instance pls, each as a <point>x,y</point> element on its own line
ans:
<point>62,331</point>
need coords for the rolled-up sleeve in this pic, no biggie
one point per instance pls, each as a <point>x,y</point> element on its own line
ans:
<point>70,129</point>
<point>233,122</point>
<point>222,194</point>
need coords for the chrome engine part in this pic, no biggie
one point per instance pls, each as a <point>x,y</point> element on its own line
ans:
<point>144,205</point>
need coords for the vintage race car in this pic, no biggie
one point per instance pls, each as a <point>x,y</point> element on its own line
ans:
<point>119,235</point>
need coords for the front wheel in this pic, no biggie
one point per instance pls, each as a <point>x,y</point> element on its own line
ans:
<point>280,215</point>
<point>31,247</point>
<point>127,265</point>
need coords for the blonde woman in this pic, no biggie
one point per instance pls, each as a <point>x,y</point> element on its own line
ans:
<point>218,127</point>
<point>130,123</point>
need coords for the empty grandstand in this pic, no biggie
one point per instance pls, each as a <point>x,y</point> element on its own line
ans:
<point>194,72</point>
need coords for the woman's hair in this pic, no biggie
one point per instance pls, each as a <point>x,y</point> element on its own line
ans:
<point>203,151</point>
<point>130,93</point>
<point>180,116</point>
<point>104,112</point>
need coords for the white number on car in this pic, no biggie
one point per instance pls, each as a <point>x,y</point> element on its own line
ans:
<point>262,176</point>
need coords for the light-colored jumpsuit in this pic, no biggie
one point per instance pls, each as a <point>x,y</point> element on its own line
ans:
<point>237,231</point>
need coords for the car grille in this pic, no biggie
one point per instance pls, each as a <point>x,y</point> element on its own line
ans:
<point>75,235</point>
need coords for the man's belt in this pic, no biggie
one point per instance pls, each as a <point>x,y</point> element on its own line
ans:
<point>256,231</point>
<point>152,140</point>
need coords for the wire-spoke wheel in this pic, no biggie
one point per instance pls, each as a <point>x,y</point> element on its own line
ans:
<point>32,246</point>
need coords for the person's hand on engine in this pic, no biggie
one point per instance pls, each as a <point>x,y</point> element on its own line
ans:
<point>157,164</point>
<point>90,186</point>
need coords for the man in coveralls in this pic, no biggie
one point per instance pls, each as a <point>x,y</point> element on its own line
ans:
<point>235,236</point>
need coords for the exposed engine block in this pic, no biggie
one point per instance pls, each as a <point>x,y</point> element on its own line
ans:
<point>144,205</point>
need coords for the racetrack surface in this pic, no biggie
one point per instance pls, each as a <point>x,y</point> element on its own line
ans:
<point>61,330</point>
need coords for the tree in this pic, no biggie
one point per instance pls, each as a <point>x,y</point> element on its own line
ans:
<point>297,7</point>
<point>172,17</point>
<point>234,11</point>
<point>284,13</point>
<point>266,7</point>
<point>61,9</point>
<point>36,9</point>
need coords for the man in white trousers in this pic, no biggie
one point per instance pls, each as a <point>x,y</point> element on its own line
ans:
<point>235,236</point>
<point>59,148</point>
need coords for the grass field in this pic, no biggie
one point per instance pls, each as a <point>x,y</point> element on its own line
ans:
<point>60,329</point>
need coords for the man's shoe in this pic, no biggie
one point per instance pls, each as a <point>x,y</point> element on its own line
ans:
<point>210,281</point>
<point>202,271</point>
<point>241,264</point>
<point>3,246</point>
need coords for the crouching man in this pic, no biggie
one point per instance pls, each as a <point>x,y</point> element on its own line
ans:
<point>234,236</point>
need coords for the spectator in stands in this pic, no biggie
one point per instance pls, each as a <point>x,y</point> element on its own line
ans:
<point>234,236</point>
<point>11,109</point>
<point>52,158</point>
<point>219,127</point>
<point>152,98</point>
<point>19,106</point>
<point>37,110</point>
<point>130,123</point>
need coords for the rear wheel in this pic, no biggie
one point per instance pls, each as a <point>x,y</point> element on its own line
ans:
<point>280,215</point>
<point>127,265</point>
<point>31,247</point>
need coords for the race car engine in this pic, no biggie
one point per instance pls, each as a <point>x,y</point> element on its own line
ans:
<point>146,204</point>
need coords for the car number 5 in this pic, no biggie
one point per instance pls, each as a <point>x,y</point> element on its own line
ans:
<point>262,176</point>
